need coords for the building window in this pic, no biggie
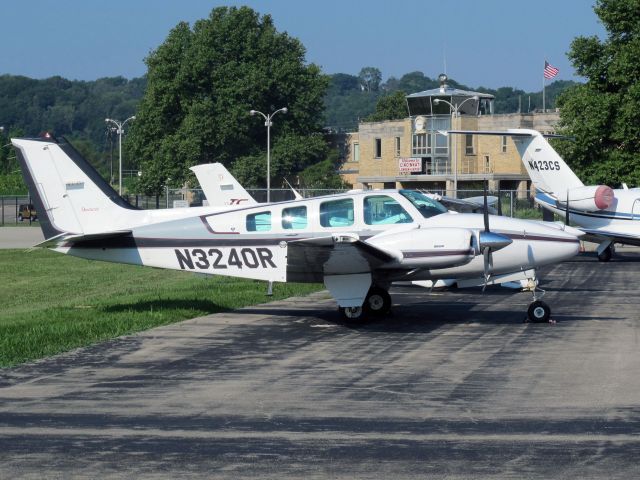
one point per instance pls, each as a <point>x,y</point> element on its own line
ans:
<point>503,145</point>
<point>468,145</point>
<point>294,218</point>
<point>397,146</point>
<point>442,144</point>
<point>421,144</point>
<point>259,222</point>
<point>356,152</point>
<point>378,147</point>
<point>487,164</point>
<point>337,213</point>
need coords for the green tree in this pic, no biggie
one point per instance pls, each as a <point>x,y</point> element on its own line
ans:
<point>323,174</point>
<point>390,107</point>
<point>604,113</point>
<point>202,82</point>
<point>370,78</point>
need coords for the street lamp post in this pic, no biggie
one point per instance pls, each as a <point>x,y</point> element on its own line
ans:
<point>454,114</point>
<point>120,131</point>
<point>267,123</point>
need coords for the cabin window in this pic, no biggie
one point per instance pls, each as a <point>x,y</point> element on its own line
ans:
<point>259,222</point>
<point>294,218</point>
<point>337,213</point>
<point>384,210</point>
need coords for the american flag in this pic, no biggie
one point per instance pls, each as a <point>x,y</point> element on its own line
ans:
<point>549,70</point>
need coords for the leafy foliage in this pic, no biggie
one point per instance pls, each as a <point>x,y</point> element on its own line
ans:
<point>202,82</point>
<point>370,78</point>
<point>604,113</point>
<point>390,107</point>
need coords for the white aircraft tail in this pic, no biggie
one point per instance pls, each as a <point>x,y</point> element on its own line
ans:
<point>548,171</point>
<point>70,196</point>
<point>220,187</point>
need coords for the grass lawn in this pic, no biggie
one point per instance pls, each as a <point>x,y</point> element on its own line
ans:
<point>50,303</point>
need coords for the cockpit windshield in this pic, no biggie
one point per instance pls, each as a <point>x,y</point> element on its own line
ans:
<point>425,205</point>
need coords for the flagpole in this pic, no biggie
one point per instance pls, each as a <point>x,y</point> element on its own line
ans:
<point>543,87</point>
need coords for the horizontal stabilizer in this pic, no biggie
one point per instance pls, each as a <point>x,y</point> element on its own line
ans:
<point>69,239</point>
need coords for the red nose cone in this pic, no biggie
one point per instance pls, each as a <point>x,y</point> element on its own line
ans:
<point>603,197</point>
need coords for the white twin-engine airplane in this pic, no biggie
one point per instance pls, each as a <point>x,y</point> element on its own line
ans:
<point>605,215</point>
<point>357,243</point>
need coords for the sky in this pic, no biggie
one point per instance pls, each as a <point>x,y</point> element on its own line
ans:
<point>490,43</point>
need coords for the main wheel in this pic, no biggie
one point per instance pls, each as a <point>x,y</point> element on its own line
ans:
<point>352,314</point>
<point>538,312</point>
<point>378,301</point>
<point>606,254</point>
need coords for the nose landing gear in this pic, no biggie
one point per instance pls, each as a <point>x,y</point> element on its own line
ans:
<point>538,311</point>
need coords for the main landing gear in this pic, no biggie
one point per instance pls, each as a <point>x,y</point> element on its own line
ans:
<point>377,303</point>
<point>606,254</point>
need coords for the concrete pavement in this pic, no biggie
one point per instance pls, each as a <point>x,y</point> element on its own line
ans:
<point>452,386</point>
<point>20,237</point>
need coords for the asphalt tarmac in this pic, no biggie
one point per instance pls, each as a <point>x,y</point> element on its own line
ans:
<point>454,385</point>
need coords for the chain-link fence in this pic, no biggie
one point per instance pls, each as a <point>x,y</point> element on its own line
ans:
<point>14,209</point>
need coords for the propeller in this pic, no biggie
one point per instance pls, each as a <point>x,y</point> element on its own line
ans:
<point>566,211</point>
<point>499,202</point>
<point>489,241</point>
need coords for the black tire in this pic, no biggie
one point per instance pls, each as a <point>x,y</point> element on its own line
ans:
<point>352,314</point>
<point>606,254</point>
<point>539,312</point>
<point>378,301</point>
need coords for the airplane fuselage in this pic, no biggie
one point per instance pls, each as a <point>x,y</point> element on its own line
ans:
<point>256,242</point>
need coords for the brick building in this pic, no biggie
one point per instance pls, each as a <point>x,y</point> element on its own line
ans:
<point>413,153</point>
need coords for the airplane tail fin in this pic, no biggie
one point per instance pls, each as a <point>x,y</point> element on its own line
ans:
<point>69,195</point>
<point>220,187</point>
<point>548,171</point>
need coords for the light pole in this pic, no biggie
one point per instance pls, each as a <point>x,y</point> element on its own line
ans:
<point>455,113</point>
<point>120,131</point>
<point>267,123</point>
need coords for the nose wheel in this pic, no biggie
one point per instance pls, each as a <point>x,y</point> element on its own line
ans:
<point>538,312</point>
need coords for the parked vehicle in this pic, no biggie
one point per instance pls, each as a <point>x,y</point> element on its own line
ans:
<point>27,211</point>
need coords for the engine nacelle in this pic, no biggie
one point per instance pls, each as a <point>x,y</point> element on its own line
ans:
<point>429,248</point>
<point>589,199</point>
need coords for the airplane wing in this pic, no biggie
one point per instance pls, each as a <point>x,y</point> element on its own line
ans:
<point>311,260</point>
<point>596,236</point>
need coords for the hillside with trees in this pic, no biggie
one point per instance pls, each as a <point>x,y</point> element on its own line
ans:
<point>192,106</point>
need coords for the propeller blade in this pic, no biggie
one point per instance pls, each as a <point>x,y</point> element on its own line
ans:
<point>486,207</point>
<point>486,254</point>
<point>566,212</point>
<point>499,202</point>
